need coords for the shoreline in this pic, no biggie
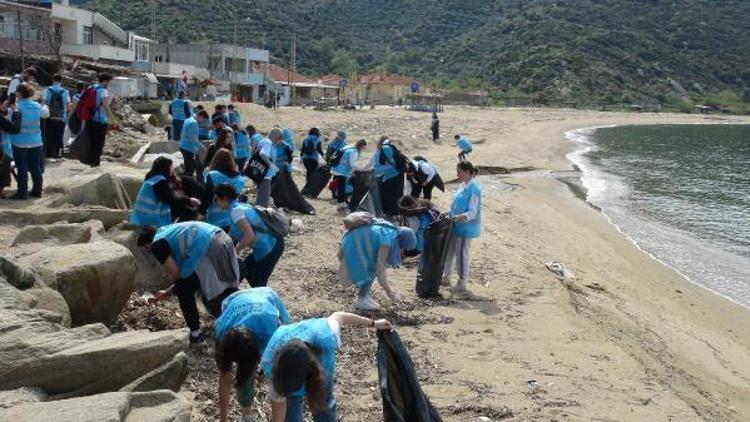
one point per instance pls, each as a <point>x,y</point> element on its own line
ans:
<point>577,158</point>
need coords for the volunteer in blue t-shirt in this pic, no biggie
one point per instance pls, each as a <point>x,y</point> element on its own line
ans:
<point>299,362</point>
<point>464,147</point>
<point>251,232</point>
<point>248,320</point>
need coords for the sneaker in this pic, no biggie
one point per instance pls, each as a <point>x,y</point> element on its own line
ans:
<point>366,304</point>
<point>199,339</point>
<point>459,288</point>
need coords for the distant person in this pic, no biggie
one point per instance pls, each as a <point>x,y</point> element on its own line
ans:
<point>299,362</point>
<point>464,147</point>
<point>181,85</point>
<point>343,164</point>
<point>266,148</point>
<point>101,120</point>
<point>223,171</point>
<point>284,152</point>
<point>390,177</point>
<point>435,127</point>
<point>423,177</point>
<point>8,126</point>
<point>190,144</point>
<point>201,259</point>
<point>180,110</point>
<point>248,320</point>
<point>57,99</point>
<point>28,76</point>
<point>466,212</point>
<point>241,146</point>
<point>338,143</point>
<point>224,139</point>
<point>204,126</point>
<point>251,233</point>
<point>366,251</point>
<point>311,151</point>
<point>233,116</point>
<point>277,101</point>
<point>27,143</point>
<point>156,202</point>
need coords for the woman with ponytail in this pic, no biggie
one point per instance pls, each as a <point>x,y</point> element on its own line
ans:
<point>248,320</point>
<point>299,362</point>
<point>467,219</point>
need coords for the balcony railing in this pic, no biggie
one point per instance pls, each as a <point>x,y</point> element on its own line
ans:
<point>98,52</point>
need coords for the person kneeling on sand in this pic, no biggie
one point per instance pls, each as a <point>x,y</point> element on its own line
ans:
<point>247,227</point>
<point>367,248</point>
<point>299,362</point>
<point>466,214</point>
<point>248,320</point>
<point>200,257</point>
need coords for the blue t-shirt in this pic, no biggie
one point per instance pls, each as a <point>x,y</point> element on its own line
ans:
<point>315,332</point>
<point>259,310</point>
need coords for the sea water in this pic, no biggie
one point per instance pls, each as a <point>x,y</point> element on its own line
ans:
<point>680,192</point>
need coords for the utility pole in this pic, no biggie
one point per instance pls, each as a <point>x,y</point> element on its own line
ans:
<point>20,39</point>
<point>154,43</point>
<point>294,65</point>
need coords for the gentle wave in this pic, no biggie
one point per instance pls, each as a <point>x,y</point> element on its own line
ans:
<point>706,264</point>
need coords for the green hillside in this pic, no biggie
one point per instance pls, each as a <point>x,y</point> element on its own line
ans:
<point>577,50</point>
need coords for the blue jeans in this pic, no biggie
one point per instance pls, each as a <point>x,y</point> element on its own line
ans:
<point>295,408</point>
<point>28,160</point>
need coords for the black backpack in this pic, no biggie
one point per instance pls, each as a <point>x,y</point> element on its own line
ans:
<point>56,104</point>
<point>308,147</point>
<point>276,220</point>
<point>257,167</point>
<point>336,157</point>
<point>400,162</point>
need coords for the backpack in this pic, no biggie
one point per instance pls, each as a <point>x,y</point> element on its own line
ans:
<point>336,157</point>
<point>87,104</point>
<point>308,147</point>
<point>400,162</point>
<point>56,105</point>
<point>275,219</point>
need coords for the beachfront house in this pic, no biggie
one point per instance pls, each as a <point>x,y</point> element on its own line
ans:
<point>307,91</point>
<point>52,30</point>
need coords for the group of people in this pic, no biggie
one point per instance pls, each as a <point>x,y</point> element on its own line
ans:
<point>200,250</point>
<point>35,128</point>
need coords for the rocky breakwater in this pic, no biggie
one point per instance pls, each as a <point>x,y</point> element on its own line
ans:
<point>62,283</point>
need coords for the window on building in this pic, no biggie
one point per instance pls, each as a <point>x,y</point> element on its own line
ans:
<point>141,51</point>
<point>88,35</point>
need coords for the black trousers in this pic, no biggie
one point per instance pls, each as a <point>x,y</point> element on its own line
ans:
<point>310,165</point>
<point>435,135</point>
<point>193,164</point>
<point>53,137</point>
<point>341,196</point>
<point>185,289</point>
<point>417,190</point>
<point>391,191</point>
<point>97,135</point>
<point>257,273</point>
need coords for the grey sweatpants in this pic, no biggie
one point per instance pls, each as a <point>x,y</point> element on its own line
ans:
<point>458,254</point>
<point>218,270</point>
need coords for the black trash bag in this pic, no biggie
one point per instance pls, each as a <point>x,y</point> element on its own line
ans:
<point>403,398</point>
<point>74,124</point>
<point>436,239</point>
<point>316,182</point>
<point>80,148</point>
<point>285,194</point>
<point>362,182</point>
<point>257,168</point>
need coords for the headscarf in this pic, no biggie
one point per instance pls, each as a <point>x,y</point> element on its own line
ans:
<point>405,240</point>
<point>341,135</point>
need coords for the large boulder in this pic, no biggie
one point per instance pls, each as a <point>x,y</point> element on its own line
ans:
<point>83,360</point>
<point>61,233</point>
<point>96,279</point>
<point>148,271</point>
<point>168,376</point>
<point>17,275</point>
<point>154,406</point>
<point>104,190</point>
<point>24,217</point>
<point>47,303</point>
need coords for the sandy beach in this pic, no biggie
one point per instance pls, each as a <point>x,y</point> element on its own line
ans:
<point>627,339</point>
